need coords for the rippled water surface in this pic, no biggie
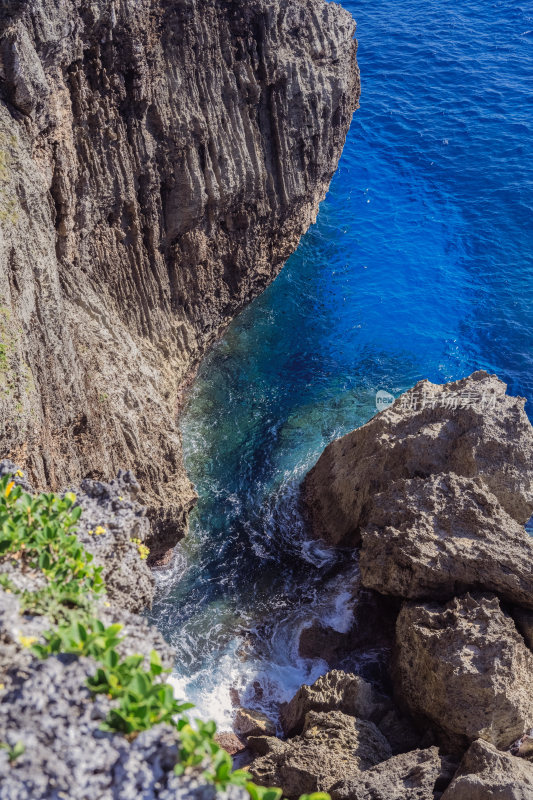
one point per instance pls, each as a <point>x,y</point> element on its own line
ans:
<point>420,266</point>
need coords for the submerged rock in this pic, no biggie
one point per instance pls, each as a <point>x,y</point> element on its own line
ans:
<point>465,668</point>
<point>470,428</point>
<point>486,772</point>
<point>444,535</point>
<point>332,746</point>
<point>418,775</point>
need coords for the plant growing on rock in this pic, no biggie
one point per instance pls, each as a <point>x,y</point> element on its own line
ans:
<point>37,536</point>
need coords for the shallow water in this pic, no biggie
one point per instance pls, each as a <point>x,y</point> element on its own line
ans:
<point>420,266</point>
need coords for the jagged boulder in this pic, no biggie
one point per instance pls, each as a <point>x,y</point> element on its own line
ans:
<point>332,746</point>
<point>249,722</point>
<point>470,428</point>
<point>464,667</point>
<point>418,775</point>
<point>486,773</point>
<point>443,535</point>
<point>334,691</point>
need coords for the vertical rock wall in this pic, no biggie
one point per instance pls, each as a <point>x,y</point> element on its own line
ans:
<point>159,160</point>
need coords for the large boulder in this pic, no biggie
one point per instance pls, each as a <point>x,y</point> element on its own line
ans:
<point>334,691</point>
<point>470,428</point>
<point>418,775</point>
<point>465,668</point>
<point>333,746</point>
<point>433,538</point>
<point>486,773</point>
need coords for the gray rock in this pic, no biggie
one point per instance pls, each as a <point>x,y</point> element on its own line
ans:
<point>435,537</point>
<point>332,746</point>
<point>417,775</point>
<point>470,428</point>
<point>49,709</point>
<point>465,668</point>
<point>113,509</point>
<point>486,773</point>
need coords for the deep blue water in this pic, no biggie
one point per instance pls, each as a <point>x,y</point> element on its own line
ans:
<point>420,266</point>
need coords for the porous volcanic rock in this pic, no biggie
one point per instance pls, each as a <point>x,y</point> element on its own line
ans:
<point>465,667</point>
<point>112,510</point>
<point>253,723</point>
<point>418,775</point>
<point>334,691</point>
<point>159,163</point>
<point>332,746</point>
<point>486,773</point>
<point>470,428</point>
<point>436,537</point>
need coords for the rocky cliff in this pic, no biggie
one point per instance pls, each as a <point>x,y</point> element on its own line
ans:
<point>159,160</point>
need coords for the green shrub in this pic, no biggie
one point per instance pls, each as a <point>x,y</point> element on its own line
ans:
<point>38,533</point>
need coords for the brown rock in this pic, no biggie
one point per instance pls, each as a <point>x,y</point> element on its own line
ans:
<point>443,535</point>
<point>524,622</point>
<point>411,776</point>
<point>230,742</point>
<point>400,732</point>
<point>253,723</point>
<point>332,746</point>
<point>486,773</point>
<point>469,428</point>
<point>335,691</point>
<point>160,162</point>
<point>320,641</point>
<point>464,667</point>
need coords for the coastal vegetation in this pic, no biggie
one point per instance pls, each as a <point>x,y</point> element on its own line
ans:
<point>38,539</point>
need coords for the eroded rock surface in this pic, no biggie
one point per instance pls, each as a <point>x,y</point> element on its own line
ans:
<point>332,746</point>
<point>418,775</point>
<point>158,163</point>
<point>470,428</point>
<point>334,691</point>
<point>440,536</point>
<point>486,772</point>
<point>465,667</point>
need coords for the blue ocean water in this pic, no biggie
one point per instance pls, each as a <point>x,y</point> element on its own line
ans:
<point>420,266</point>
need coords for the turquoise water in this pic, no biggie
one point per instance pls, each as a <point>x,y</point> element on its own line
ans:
<point>420,266</point>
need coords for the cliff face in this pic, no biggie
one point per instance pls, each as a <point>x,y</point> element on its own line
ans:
<point>159,161</point>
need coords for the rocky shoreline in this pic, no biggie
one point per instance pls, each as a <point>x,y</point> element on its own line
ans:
<point>453,717</point>
<point>158,163</point>
<point>434,492</point>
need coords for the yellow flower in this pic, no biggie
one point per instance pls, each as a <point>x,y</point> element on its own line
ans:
<point>2,686</point>
<point>9,488</point>
<point>99,530</point>
<point>27,641</point>
<point>106,604</point>
<point>90,532</point>
<point>71,497</point>
<point>120,498</point>
<point>144,551</point>
<point>19,473</point>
